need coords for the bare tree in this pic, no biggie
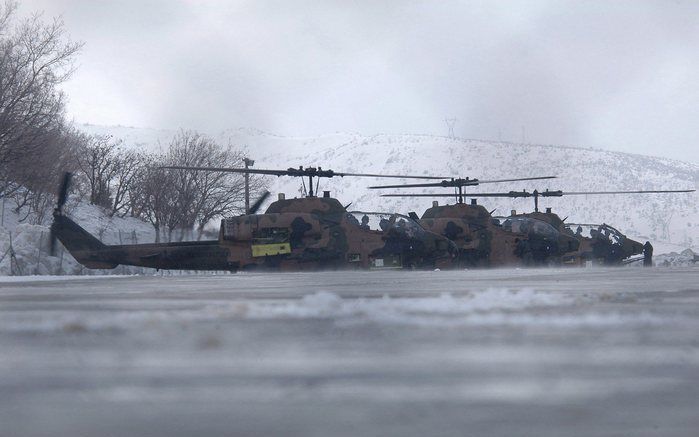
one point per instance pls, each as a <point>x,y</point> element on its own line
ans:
<point>34,59</point>
<point>129,167</point>
<point>204,196</point>
<point>35,146</point>
<point>154,198</point>
<point>222,194</point>
<point>219,195</point>
<point>184,199</point>
<point>33,179</point>
<point>98,164</point>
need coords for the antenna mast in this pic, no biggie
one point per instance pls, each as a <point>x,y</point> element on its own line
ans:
<point>451,122</point>
<point>248,163</point>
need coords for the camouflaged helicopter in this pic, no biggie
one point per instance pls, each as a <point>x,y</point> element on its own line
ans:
<point>605,245</point>
<point>309,233</point>
<point>484,241</point>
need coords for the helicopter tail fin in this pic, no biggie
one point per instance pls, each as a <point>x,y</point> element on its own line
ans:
<point>84,247</point>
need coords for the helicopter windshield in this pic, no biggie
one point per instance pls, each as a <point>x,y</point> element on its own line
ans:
<point>383,222</point>
<point>526,225</point>
<point>600,232</point>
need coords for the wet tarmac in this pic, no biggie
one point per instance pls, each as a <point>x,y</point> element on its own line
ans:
<point>556,352</point>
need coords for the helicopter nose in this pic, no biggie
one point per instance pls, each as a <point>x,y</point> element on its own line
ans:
<point>573,244</point>
<point>568,243</point>
<point>445,246</point>
<point>447,253</point>
<point>453,249</point>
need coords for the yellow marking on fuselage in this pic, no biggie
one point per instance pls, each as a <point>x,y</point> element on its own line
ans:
<point>270,249</point>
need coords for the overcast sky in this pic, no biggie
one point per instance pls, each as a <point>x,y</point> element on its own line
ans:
<point>608,74</point>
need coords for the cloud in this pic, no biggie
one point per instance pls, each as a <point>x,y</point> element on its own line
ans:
<point>608,74</point>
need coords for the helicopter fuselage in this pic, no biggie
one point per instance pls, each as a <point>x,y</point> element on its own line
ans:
<point>605,245</point>
<point>296,234</point>
<point>485,242</point>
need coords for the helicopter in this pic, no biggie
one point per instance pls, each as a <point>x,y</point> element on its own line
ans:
<point>481,239</point>
<point>605,245</point>
<point>307,233</point>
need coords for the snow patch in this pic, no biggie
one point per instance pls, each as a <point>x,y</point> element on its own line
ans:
<point>492,307</point>
<point>329,305</point>
<point>52,278</point>
<point>674,259</point>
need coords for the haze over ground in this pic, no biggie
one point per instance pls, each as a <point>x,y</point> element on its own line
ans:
<point>615,75</point>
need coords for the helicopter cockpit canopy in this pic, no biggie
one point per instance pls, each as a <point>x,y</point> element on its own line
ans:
<point>384,222</point>
<point>599,232</point>
<point>526,225</point>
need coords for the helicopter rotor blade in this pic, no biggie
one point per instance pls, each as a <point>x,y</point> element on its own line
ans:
<point>467,195</point>
<point>60,202</point>
<point>584,224</point>
<point>444,183</point>
<point>309,171</point>
<point>461,182</point>
<point>258,203</point>
<point>626,192</point>
<point>63,190</point>
<point>443,195</point>
<point>546,193</point>
<point>399,176</point>
<point>494,181</point>
<point>228,170</point>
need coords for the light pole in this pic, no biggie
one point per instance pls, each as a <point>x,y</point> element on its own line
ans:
<point>248,163</point>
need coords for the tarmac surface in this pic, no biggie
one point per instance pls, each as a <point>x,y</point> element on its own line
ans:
<point>555,352</point>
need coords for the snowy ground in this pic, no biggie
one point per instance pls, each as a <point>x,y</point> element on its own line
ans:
<point>594,352</point>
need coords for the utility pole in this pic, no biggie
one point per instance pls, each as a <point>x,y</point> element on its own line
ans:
<point>450,124</point>
<point>248,163</point>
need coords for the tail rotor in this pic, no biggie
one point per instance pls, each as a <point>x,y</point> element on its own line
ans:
<point>62,198</point>
<point>258,203</point>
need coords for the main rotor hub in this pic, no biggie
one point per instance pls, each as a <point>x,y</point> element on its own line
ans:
<point>459,182</point>
<point>310,172</point>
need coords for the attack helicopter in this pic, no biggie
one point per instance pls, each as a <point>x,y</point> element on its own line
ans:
<point>605,245</point>
<point>483,241</point>
<point>308,233</point>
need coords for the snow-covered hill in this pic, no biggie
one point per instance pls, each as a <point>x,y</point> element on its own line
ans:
<point>670,221</point>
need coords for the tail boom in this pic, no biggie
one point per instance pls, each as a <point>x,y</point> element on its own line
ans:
<point>93,254</point>
<point>85,248</point>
